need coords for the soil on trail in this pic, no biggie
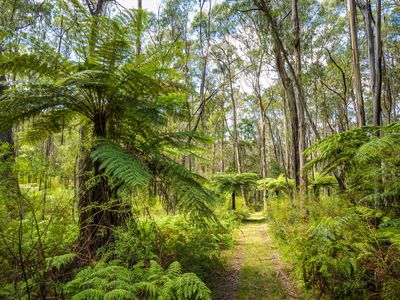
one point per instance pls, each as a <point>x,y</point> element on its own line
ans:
<point>253,269</point>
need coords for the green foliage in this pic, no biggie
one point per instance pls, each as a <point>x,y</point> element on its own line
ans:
<point>233,181</point>
<point>337,250</point>
<point>275,185</point>
<point>340,256</point>
<point>374,150</point>
<point>43,244</point>
<point>196,247</point>
<point>124,166</point>
<point>110,281</point>
<point>319,181</point>
<point>59,261</point>
<point>121,165</point>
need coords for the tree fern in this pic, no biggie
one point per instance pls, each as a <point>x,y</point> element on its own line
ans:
<point>374,150</point>
<point>276,185</point>
<point>125,99</point>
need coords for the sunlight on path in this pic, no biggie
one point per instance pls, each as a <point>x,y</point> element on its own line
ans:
<point>254,270</point>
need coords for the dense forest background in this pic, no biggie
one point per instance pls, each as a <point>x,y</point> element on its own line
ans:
<point>134,143</point>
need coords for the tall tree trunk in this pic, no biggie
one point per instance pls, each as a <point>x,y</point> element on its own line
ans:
<point>356,63</point>
<point>286,160</point>
<point>388,93</point>
<point>299,104</point>
<point>263,159</point>
<point>365,7</point>
<point>204,59</point>
<point>378,66</point>
<point>236,148</point>
<point>222,163</point>
<point>98,215</point>
<point>235,129</point>
<point>262,125</point>
<point>139,28</point>
<point>293,115</point>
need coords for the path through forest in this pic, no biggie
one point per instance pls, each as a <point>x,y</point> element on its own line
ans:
<point>253,269</point>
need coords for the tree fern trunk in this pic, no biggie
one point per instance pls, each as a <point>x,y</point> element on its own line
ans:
<point>99,214</point>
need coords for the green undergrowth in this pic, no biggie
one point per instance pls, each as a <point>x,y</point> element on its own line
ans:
<point>114,281</point>
<point>145,244</point>
<point>340,251</point>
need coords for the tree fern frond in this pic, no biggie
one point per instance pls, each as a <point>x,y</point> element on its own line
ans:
<point>229,182</point>
<point>275,184</point>
<point>89,294</point>
<point>320,180</point>
<point>17,106</point>
<point>152,282</point>
<point>93,282</point>
<point>50,65</point>
<point>148,288</point>
<point>174,269</point>
<point>192,196</point>
<point>48,123</point>
<point>377,147</point>
<point>117,284</point>
<point>119,294</point>
<point>111,273</point>
<point>383,198</point>
<point>120,164</point>
<point>59,261</point>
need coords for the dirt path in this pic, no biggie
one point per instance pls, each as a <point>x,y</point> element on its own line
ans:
<point>253,268</point>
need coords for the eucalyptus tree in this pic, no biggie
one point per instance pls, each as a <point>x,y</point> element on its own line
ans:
<point>290,81</point>
<point>201,26</point>
<point>356,63</point>
<point>125,102</point>
<point>255,51</point>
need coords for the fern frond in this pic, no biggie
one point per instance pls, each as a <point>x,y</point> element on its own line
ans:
<point>320,180</point>
<point>233,181</point>
<point>48,123</point>
<point>377,147</point>
<point>275,184</point>
<point>50,64</point>
<point>189,286</point>
<point>59,261</point>
<point>174,269</point>
<point>119,294</point>
<point>17,106</point>
<point>89,294</point>
<point>192,196</point>
<point>117,284</point>
<point>120,164</point>
<point>148,288</point>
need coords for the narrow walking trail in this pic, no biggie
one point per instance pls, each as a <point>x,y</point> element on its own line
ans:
<point>253,268</point>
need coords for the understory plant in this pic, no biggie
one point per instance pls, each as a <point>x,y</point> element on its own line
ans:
<point>112,281</point>
<point>346,246</point>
